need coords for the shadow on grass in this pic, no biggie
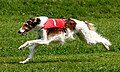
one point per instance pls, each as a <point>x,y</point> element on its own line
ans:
<point>49,61</point>
<point>46,61</point>
<point>8,63</point>
<point>62,61</point>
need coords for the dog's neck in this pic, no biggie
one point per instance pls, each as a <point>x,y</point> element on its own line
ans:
<point>43,20</point>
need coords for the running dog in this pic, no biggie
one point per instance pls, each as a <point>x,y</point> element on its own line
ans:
<point>49,29</point>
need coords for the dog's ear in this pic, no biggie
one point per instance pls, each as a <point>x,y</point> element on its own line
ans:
<point>69,18</point>
<point>38,21</point>
<point>31,19</point>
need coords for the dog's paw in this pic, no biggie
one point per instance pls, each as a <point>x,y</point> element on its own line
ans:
<point>21,47</point>
<point>22,62</point>
<point>25,61</point>
<point>24,45</point>
<point>72,38</point>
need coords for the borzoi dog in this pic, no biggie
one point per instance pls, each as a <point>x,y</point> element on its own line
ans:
<point>58,30</point>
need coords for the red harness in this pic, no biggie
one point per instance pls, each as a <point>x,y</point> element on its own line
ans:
<point>54,23</point>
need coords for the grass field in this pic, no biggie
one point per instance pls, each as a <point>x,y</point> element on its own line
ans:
<point>73,56</point>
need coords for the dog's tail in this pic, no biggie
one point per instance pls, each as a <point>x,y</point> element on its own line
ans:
<point>94,37</point>
<point>89,32</point>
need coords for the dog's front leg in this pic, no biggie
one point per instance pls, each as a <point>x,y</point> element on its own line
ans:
<point>39,34</point>
<point>32,50</point>
<point>44,34</point>
<point>24,45</point>
<point>28,43</point>
<point>38,41</point>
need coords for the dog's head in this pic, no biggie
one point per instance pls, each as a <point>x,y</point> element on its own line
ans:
<point>29,25</point>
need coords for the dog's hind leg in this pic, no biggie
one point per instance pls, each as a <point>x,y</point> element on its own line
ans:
<point>32,50</point>
<point>70,34</point>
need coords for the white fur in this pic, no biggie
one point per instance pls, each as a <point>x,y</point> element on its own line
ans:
<point>69,34</point>
<point>42,22</point>
<point>91,36</point>
<point>22,30</point>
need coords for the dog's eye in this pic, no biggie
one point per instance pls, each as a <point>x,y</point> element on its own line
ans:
<point>26,25</point>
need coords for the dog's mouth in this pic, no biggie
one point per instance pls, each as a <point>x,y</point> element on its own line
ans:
<point>22,33</point>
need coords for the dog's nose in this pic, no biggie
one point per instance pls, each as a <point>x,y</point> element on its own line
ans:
<point>19,32</point>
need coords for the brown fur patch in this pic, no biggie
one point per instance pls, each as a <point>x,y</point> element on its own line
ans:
<point>30,24</point>
<point>69,23</point>
<point>54,31</point>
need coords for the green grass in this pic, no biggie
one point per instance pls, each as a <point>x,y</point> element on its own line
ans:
<point>100,62</point>
<point>74,56</point>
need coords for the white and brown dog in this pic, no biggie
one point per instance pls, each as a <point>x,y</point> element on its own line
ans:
<point>49,29</point>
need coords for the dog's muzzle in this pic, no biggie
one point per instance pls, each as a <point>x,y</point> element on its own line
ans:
<point>22,33</point>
